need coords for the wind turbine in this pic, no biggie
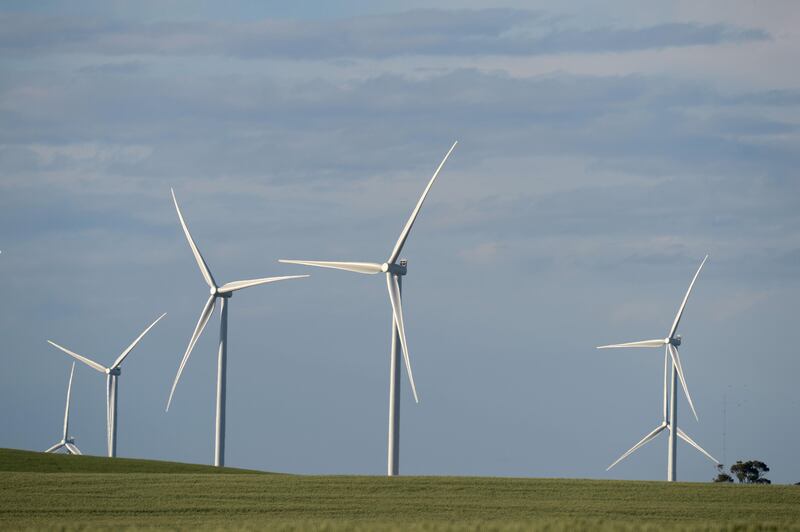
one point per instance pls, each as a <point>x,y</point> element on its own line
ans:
<point>670,343</point>
<point>112,375</point>
<point>67,442</point>
<point>394,271</point>
<point>223,293</point>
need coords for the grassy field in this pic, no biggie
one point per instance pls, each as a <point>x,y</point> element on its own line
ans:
<point>79,492</point>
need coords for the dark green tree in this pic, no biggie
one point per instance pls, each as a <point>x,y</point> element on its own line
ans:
<point>750,472</point>
<point>722,476</point>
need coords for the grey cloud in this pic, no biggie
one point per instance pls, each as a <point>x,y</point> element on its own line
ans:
<point>238,140</point>
<point>126,67</point>
<point>659,36</point>
<point>286,130</point>
<point>748,125</point>
<point>421,32</point>
<point>778,98</point>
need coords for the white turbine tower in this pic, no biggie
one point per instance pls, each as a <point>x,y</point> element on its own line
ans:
<point>394,271</point>
<point>112,375</point>
<point>223,293</point>
<point>67,442</point>
<point>670,344</point>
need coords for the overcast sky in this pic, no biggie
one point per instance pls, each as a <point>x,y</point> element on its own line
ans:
<point>602,153</point>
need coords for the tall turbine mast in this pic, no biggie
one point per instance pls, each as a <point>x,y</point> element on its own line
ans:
<point>394,269</point>
<point>223,294</point>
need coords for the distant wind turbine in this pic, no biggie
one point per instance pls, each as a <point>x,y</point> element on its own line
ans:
<point>67,442</point>
<point>112,375</point>
<point>223,293</point>
<point>670,343</point>
<point>394,271</point>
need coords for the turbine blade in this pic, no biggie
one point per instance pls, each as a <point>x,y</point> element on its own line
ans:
<point>397,311</point>
<point>238,285</point>
<point>685,437</point>
<point>120,358</point>
<point>685,299</point>
<point>676,361</point>
<point>54,448</point>
<point>643,343</point>
<point>197,256</point>
<point>398,247</point>
<point>205,315</point>
<point>66,408</point>
<point>72,448</point>
<point>90,363</point>
<point>642,442</point>
<point>370,268</point>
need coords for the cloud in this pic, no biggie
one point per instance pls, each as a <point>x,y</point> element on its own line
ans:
<point>319,130</point>
<point>126,67</point>
<point>605,169</point>
<point>90,152</point>
<point>419,32</point>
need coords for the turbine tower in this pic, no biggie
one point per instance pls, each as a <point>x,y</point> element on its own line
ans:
<point>394,269</point>
<point>221,293</point>
<point>66,442</point>
<point>112,376</point>
<point>670,344</point>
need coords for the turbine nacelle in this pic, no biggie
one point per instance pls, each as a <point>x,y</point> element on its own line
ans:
<point>397,269</point>
<point>113,371</point>
<point>676,340</point>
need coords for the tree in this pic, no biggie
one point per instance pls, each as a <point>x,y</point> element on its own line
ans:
<point>722,476</point>
<point>750,472</point>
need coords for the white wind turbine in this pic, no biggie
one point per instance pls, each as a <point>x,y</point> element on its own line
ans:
<point>67,442</point>
<point>223,293</point>
<point>112,375</point>
<point>394,271</point>
<point>670,344</point>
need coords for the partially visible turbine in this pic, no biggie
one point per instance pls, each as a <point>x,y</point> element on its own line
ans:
<point>223,293</point>
<point>67,442</point>
<point>394,271</point>
<point>670,344</point>
<point>112,375</point>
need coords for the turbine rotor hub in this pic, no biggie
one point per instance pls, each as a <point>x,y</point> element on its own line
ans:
<point>397,269</point>
<point>213,290</point>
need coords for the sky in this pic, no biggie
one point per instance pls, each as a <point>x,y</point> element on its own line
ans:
<point>603,151</point>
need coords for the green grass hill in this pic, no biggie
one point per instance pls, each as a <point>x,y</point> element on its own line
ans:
<point>39,491</point>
